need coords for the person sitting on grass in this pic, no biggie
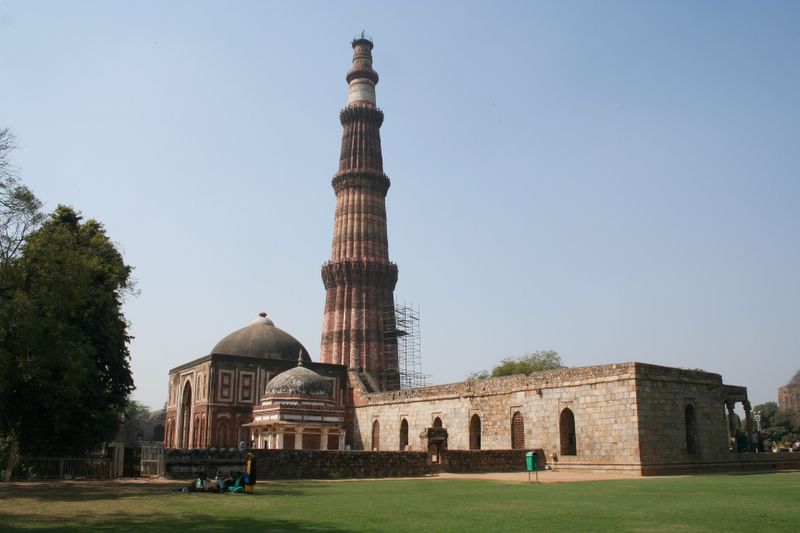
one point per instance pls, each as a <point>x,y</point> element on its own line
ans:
<point>238,484</point>
<point>219,479</point>
<point>198,484</point>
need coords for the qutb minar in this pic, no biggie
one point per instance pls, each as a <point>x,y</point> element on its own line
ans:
<point>260,385</point>
<point>359,279</point>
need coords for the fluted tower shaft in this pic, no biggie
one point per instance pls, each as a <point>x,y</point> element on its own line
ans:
<point>358,329</point>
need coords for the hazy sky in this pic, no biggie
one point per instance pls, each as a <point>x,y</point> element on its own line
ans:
<point>617,181</point>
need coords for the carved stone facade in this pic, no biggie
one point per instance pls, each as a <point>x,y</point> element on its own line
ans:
<point>627,417</point>
<point>359,279</point>
<point>631,417</point>
<point>789,397</point>
<point>210,400</point>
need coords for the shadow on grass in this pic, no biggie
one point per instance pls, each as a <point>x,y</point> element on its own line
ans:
<point>88,492</point>
<point>160,523</point>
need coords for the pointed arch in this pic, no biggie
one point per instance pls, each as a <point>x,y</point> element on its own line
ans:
<point>186,415</point>
<point>517,432</point>
<point>376,435</point>
<point>437,422</point>
<point>475,432</point>
<point>690,419</point>
<point>403,434</point>
<point>566,426</point>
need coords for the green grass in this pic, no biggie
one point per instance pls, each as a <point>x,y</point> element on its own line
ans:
<point>762,502</point>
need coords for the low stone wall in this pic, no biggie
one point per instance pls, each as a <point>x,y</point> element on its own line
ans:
<point>738,462</point>
<point>300,464</point>
<point>488,460</point>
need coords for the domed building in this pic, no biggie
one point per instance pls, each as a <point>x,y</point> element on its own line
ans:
<point>298,412</point>
<point>211,399</point>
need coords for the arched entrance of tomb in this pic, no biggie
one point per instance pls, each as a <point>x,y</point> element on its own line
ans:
<point>517,432</point>
<point>376,436</point>
<point>691,429</point>
<point>567,431</point>
<point>403,434</point>
<point>475,432</point>
<point>186,416</point>
<point>437,422</point>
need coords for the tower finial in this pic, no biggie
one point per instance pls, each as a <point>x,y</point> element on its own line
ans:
<point>300,358</point>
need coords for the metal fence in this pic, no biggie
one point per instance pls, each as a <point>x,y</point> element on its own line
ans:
<point>152,460</point>
<point>36,468</point>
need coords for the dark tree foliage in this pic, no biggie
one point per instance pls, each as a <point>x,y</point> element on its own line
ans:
<point>795,379</point>
<point>779,424</point>
<point>64,360</point>
<point>526,364</point>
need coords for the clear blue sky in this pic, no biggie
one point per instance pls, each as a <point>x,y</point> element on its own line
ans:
<point>616,181</point>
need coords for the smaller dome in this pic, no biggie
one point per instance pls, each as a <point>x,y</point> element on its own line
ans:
<point>301,381</point>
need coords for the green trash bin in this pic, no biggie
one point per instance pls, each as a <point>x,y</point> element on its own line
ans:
<point>530,461</point>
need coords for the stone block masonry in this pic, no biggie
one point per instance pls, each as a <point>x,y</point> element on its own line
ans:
<point>319,464</point>
<point>301,464</point>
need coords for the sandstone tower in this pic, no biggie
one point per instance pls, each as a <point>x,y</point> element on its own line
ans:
<point>358,329</point>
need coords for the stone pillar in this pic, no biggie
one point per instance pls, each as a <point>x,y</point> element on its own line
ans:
<point>279,442</point>
<point>341,440</point>
<point>731,420</point>
<point>323,440</point>
<point>748,423</point>
<point>298,439</point>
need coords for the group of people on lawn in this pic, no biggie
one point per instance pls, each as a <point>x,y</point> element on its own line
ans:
<point>236,482</point>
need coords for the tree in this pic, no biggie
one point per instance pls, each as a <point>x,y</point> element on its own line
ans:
<point>64,362</point>
<point>20,210</point>
<point>778,424</point>
<point>795,379</point>
<point>526,364</point>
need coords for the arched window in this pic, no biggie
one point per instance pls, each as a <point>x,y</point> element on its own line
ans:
<point>437,422</point>
<point>376,435</point>
<point>403,434</point>
<point>158,433</point>
<point>691,429</point>
<point>186,416</point>
<point>517,432</point>
<point>566,426</point>
<point>475,433</point>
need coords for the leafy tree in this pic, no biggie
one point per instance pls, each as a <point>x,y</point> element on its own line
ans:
<point>526,364</point>
<point>138,423</point>
<point>779,425</point>
<point>20,210</point>
<point>768,411</point>
<point>479,375</point>
<point>795,379</point>
<point>64,360</point>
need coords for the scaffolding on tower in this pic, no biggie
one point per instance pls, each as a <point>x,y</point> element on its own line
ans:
<point>402,323</point>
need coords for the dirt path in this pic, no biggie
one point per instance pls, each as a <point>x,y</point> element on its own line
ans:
<point>545,476</point>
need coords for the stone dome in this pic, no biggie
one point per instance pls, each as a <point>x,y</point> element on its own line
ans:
<point>299,381</point>
<point>263,340</point>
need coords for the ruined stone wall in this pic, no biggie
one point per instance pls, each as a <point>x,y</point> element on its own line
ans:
<point>489,460</point>
<point>602,399</point>
<point>663,397</point>
<point>789,397</point>
<point>299,464</point>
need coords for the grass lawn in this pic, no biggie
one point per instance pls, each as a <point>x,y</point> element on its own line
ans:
<point>758,502</point>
